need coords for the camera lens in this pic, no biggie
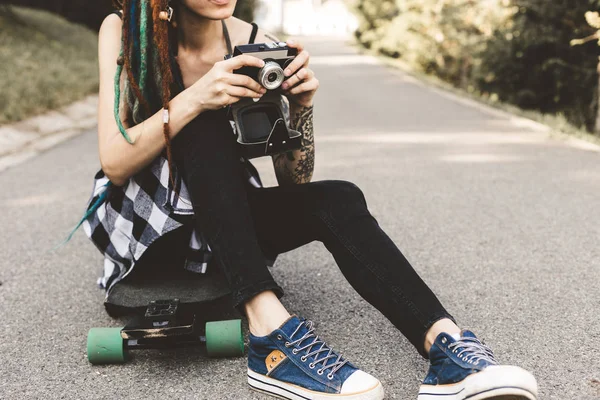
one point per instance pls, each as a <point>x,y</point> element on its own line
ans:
<point>271,75</point>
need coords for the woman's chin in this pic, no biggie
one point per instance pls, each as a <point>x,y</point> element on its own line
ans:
<point>211,9</point>
<point>215,15</point>
<point>220,15</point>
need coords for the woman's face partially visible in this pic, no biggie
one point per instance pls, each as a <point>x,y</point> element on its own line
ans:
<point>211,9</point>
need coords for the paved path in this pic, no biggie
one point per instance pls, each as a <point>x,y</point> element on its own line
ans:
<point>499,219</point>
<point>26,139</point>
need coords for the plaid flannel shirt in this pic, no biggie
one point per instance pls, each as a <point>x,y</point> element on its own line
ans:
<point>133,216</point>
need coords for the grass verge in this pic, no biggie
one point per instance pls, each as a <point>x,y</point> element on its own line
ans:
<point>558,124</point>
<point>45,62</point>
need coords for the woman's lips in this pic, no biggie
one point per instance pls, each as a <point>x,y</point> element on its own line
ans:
<point>220,2</point>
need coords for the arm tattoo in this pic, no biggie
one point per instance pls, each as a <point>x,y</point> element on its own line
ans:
<point>296,167</point>
<point>303,123</point>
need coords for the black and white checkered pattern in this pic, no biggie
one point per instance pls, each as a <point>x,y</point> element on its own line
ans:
<point>133,216</point>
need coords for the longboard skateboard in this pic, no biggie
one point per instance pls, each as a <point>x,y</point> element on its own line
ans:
<point>169,308</point>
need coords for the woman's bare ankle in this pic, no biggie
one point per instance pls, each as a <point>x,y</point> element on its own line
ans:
<point>265,313</point>
<point>443,325</point>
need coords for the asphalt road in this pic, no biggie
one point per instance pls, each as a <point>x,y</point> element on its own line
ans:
<point>501,220</point>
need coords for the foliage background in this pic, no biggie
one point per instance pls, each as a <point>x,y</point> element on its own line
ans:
<point>515,51</point>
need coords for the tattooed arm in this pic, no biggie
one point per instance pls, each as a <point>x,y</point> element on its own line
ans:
<point>297,166</point>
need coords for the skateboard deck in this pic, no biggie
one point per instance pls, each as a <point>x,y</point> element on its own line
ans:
<point>160,278</point>
<point>160,274</point>
<point>191,290</point>
<point>171,307</point>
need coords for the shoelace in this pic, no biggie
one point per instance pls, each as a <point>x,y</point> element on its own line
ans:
<point>473,350</point>
<point>324,348</point>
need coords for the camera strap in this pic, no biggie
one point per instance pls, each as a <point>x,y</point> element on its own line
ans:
<point>227,38</point>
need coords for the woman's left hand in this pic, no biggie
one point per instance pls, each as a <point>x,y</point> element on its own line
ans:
<point>301,85</point>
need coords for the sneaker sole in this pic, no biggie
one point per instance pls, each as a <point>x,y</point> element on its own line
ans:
<point>495,382</point>
<point>288,391</point>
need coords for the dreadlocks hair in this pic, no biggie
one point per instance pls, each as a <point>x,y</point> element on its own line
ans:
<point>146,57</point>
<point>147,66</point>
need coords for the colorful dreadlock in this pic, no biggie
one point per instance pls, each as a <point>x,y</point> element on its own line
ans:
<point>99,199</point>
<point>147,65</point>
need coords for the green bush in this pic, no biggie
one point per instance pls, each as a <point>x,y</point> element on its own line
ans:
<point>515,50</point>
<point>533,65</point>
<point>375,16</point>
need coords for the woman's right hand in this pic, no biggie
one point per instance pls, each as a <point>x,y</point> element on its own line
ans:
<point>220,87</point>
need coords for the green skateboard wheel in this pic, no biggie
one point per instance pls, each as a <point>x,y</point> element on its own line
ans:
<point>224,338</point>
<point>105,346</point>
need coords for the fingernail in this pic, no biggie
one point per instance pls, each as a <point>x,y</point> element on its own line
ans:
<point>287,72</point>
<point>284,85</point>
<point>291,41</point>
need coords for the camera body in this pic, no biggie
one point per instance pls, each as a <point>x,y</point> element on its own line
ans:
<point>262,127</point>
<point>276,55</point>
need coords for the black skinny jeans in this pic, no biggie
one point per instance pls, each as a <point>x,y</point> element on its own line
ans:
<point>243,223</point>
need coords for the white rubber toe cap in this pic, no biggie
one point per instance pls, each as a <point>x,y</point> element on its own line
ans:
<point>501,376</point>
<point>358,382</point>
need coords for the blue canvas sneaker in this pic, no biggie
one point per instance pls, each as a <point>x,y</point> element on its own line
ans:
<point>466,369</point>
<point>294,363</point>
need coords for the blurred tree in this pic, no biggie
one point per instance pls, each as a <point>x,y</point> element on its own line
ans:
<point>515,50</point>
<point>593,19</point>
<point>375,16</point>
<point>442,37</point>
<point>530,62</point>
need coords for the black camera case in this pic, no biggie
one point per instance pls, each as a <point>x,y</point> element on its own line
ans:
<point>263,126</point>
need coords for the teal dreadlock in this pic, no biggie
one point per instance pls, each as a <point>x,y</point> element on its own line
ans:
<point>134,56</point>
<point>147,64</point>
<point>100,198</point>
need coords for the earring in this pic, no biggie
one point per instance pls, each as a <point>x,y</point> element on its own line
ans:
<point>166,15</point>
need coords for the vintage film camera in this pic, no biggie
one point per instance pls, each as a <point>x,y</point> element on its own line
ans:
<point>263,125</point>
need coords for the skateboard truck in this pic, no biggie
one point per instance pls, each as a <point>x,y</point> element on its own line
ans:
<point>163,325</point>
<point>162,312</point>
